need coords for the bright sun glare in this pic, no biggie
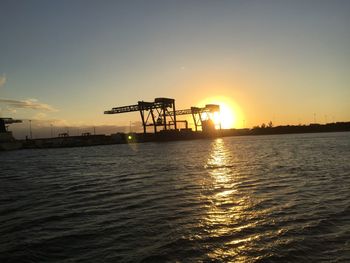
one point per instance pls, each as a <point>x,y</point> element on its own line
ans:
<point>228,112</point>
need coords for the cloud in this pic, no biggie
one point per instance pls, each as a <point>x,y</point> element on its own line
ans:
<point>3,80</point>
<point>33,104</point>
<point>11,110</point>
<point>39,116</point>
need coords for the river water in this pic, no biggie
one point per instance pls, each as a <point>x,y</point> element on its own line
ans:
<point>278,198</point>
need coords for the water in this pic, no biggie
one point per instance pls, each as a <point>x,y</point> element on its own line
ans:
<point>241,199</point>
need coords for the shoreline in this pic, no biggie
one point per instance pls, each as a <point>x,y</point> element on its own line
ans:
<point>175,135</point>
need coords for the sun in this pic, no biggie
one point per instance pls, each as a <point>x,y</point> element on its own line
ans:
<point>226,117</point>
<point>229,112</point>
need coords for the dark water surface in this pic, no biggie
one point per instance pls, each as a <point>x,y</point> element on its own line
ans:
<point>282,198</point>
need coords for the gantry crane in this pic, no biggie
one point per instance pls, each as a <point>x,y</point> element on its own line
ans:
<point>202,117</point>
<point>4,122</point>
<point>152,113</point>
<point>159,112</point>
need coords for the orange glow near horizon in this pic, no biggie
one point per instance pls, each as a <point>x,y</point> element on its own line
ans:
<point>230,112</point>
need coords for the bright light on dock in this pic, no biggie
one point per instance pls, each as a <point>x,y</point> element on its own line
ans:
<point>229,112</point>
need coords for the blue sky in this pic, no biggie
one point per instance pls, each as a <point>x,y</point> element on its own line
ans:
<point>281,60</point>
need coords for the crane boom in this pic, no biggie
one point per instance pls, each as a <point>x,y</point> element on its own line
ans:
<point>156,113</point>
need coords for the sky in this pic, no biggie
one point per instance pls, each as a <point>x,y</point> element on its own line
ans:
<point>62,63</point>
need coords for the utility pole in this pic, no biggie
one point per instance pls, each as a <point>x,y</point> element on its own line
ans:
<point>30,129</point>
<point>51,130</point>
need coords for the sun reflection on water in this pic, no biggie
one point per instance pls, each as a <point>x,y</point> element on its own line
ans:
<point>226,209</point>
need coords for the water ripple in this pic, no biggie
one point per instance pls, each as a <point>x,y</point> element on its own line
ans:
<point>247,199</point>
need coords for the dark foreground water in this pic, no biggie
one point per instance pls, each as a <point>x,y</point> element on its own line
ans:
<point>279,198</point>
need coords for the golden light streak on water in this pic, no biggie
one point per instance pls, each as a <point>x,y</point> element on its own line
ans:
<point>227,207</point>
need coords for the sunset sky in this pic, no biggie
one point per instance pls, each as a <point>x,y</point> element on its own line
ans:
<point>65,62</point>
